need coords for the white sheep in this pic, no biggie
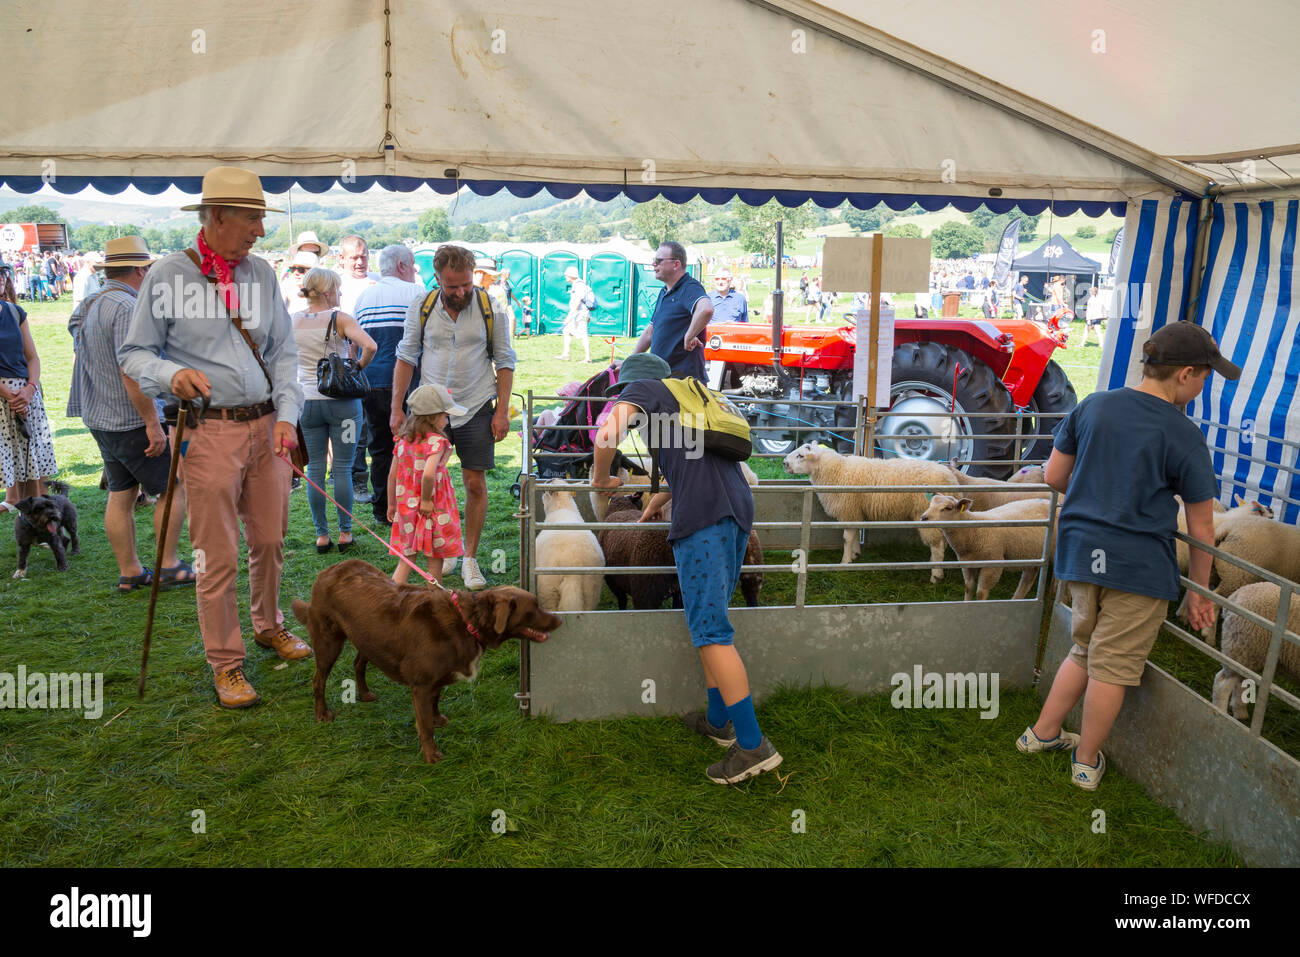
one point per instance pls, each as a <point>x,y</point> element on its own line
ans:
<point>1246,642</point>
<point>827,467</point>
<point>1258,539</point>
<point>979,544</point>
<point>986,500</point>
<point>1223,519</point>
<point>567,547</point>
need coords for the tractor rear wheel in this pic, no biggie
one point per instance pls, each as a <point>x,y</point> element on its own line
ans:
<point>1054,394</point>
<point>930,377</point>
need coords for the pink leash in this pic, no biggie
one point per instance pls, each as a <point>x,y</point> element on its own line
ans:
<point>355,521</point>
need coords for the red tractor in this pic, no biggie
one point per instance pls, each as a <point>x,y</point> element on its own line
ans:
<point>939,365</point>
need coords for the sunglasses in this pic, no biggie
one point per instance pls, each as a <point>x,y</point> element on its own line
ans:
<point>656,262</point>
<point>299,270</point>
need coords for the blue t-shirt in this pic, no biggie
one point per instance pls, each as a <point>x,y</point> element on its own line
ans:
<point>729,308</point>
<point>1134,452</point>
<point>13,360</point>
<point>706,489</point>
<point>671,319</point>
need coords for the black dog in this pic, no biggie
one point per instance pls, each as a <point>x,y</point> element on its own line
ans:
<point>46,519</point>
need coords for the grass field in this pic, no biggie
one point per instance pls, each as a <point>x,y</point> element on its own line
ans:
<point>877,786</point>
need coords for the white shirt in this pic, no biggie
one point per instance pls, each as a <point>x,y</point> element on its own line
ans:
<point>1096,308</point>
<point>351,287</point>
<point>84,283</point>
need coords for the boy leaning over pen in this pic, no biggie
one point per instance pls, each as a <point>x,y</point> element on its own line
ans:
<point>1120,458</point>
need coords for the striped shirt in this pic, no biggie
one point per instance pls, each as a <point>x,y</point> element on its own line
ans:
<point>381,311</point>
<point>181,323</point>
<point>98,327</point>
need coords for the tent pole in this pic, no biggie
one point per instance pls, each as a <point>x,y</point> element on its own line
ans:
<point>291,233</point>
<point>1202,252</point>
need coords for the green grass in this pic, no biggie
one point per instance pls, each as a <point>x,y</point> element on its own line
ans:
<point>877,786</point>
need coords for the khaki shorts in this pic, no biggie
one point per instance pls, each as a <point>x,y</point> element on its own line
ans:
<point>1114,631</point>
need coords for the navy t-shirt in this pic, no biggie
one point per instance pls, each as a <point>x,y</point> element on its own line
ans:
<point>13,361</point>
<point>706,489</point>
<point>671,319</point>
<point>1134,452</point>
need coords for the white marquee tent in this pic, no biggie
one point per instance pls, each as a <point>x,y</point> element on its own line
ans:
<point>1185,118</point>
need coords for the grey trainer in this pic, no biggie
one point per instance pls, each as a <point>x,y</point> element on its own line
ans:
<point>740,765</point>
<point>698,721</point>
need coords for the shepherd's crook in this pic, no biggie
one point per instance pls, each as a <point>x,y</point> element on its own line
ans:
<point>162,538</point>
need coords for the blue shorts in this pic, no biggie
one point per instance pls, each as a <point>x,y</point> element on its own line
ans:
<point>708,570</point>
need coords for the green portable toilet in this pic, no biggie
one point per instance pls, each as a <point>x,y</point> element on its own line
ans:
<point>645,295</point>
<point>523,279</point>
<point>551,304</point>
<point>424,259</point>
<point>610,277</point>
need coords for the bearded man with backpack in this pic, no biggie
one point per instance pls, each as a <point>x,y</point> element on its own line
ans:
<point>460,339</point>
<point>713,511</point>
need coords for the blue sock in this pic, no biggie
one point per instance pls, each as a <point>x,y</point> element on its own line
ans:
<point>746,723</point>
<point>717,715</point>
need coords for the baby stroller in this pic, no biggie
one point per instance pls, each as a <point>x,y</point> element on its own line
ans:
<point>561,451</point>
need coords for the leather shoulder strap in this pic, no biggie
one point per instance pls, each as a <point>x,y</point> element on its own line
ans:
<point>194,258</point>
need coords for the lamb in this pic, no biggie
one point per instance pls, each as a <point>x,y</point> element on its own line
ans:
<point>1272,545</point>
<point>826,467</point>
<point>1033,474</point>
<point>1223,523</point>
<point>649,546</point>
<point>986,500</point>
<point>571,547</point>
<point>636,547</point>
<point>1247,643</point>
<point>990,544</point>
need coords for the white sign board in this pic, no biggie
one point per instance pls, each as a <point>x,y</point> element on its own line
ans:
<point>885,355</point>
<point>12,238</point>
<point>846,264</point>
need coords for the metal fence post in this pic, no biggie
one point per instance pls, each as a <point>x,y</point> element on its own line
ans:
<point>805,541</point>
<point>1270,659</point>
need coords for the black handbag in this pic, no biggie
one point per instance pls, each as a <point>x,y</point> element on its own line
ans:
<point>339,377</point>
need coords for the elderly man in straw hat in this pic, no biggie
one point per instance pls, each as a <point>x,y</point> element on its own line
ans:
<point>210,323</point>
<point>123,420</point>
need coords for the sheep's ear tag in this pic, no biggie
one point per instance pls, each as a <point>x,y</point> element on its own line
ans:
<point>929,496</point>
<point>963,505</point>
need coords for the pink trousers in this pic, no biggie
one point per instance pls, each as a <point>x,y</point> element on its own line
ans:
<point>231,475</point>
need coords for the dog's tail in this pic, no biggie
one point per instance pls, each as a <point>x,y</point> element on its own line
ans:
<point>57,487</point>
<point>301,610</point>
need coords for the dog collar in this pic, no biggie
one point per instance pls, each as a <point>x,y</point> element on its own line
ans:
<point>25,520</point>
<point>473,632</point>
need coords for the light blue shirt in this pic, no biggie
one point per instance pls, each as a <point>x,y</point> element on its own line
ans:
<point>454,352</point>
<point>181,322</point>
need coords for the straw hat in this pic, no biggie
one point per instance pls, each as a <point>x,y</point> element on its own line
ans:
<point>308,238</point>
<point>232,186</point>
<point>127,251</point>
<point>487,266</point>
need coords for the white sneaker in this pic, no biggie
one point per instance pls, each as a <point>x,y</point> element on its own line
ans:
<point>448,566</point>
<point>1030,743</point>
<point>471,576</point>
<point>1085,775</point>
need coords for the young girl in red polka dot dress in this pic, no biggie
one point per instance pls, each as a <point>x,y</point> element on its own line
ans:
<point>421,499</point>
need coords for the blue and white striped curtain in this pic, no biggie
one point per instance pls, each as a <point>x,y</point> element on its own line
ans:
<point>1252,425</point>
<point>1246,302</point>
<point>1155,270</point>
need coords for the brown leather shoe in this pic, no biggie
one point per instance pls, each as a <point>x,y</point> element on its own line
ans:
<point>288,646</point>
<point>234,691</point>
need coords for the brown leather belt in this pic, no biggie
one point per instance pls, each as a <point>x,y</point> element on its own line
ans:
<point>243,413</point>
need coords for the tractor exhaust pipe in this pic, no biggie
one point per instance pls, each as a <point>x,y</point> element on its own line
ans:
<point>778,312</point>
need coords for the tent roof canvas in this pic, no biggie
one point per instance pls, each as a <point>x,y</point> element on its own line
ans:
<point>1065,259</point>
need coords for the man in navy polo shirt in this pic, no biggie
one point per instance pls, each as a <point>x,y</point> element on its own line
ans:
<point>676,330</point>
<point>728,304</point>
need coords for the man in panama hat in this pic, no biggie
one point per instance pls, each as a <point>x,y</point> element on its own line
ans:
<point>209,323</point>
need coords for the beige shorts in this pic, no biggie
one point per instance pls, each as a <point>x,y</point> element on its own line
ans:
<point>1114,631</point>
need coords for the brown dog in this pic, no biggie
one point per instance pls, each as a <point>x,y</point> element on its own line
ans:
<point>416,636</point>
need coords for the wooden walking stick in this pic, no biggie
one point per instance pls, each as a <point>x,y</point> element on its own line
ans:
<point>162,538</point>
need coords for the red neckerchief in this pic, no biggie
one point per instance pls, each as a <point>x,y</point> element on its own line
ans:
<point>473,632</point>
<point>221,267</point>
